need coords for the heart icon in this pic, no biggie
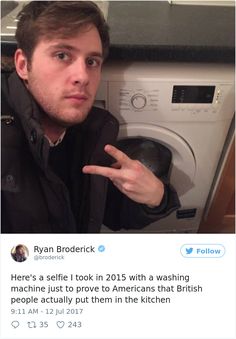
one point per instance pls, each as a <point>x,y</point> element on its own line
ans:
<point>60,324</point>
<point>15,324</point>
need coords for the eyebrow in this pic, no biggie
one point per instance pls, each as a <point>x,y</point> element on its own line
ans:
<point>72,48</point>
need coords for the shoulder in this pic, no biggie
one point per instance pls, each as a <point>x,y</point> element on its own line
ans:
<point>10,125</point>
<point>101,121</point>
<point>6,100</point>
<point>100,114</point>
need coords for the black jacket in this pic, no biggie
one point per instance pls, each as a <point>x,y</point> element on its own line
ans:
<point>44,190</point>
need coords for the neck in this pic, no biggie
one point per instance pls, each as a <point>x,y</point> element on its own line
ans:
<point>52,130</point>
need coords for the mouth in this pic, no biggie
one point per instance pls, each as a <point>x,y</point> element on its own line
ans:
<point>79,98</point>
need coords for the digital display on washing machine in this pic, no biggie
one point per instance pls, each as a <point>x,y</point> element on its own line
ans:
<point>193,94</point>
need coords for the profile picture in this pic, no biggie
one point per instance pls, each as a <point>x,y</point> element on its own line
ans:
<point>20,253</point>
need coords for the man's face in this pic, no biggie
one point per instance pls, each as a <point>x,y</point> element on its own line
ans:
<point>20,251</point>
<point>64,75</point>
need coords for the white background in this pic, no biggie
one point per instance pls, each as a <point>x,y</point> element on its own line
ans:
<point>210,314</point>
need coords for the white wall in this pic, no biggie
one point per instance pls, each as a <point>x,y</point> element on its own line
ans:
<point>203,2</point>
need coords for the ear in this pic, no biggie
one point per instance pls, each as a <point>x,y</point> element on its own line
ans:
<point>21,64</point>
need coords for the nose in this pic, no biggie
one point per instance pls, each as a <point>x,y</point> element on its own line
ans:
<point>79,73</point>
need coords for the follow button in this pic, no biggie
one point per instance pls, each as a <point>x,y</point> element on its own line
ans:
<point>202,250</point>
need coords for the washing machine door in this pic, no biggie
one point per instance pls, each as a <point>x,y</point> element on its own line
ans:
<point>183,166</point>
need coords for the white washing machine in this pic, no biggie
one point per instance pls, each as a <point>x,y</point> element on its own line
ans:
<point>186,107</point>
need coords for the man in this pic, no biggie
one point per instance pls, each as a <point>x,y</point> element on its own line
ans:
<point>56,149</point>
<point>19,254</point>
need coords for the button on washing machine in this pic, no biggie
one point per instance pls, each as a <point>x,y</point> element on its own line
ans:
<point>138,101</point>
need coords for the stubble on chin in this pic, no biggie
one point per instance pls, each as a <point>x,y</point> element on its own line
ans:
<point>65,118</point>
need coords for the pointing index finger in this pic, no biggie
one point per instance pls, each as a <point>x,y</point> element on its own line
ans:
<point>99,170</point>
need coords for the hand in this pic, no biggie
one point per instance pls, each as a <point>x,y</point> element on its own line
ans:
<point>131,177</point>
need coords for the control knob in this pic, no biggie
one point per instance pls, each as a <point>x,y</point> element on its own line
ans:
<point>138,101</point>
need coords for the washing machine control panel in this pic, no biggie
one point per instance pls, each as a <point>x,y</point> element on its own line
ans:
<point>168,101</point>
<point>136,99</point>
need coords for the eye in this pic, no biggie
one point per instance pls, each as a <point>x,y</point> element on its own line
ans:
<point>94,62</point>
<point>62,56</point>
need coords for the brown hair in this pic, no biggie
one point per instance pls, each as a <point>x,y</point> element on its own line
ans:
<point>59,19</point>
<point>18,247</point>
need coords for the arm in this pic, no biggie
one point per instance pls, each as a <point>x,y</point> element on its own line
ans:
<point>131,178</point>
<point>136,197</point>
<point>121,212</point>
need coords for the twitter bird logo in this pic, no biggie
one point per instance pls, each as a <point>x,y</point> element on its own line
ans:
<point>189,250</point>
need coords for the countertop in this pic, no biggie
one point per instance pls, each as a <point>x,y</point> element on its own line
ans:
<point>158,31</point>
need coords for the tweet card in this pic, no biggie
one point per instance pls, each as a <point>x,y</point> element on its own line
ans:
<point>118,286</point>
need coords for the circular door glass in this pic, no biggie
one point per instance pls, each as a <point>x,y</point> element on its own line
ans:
<point>182,167</point>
